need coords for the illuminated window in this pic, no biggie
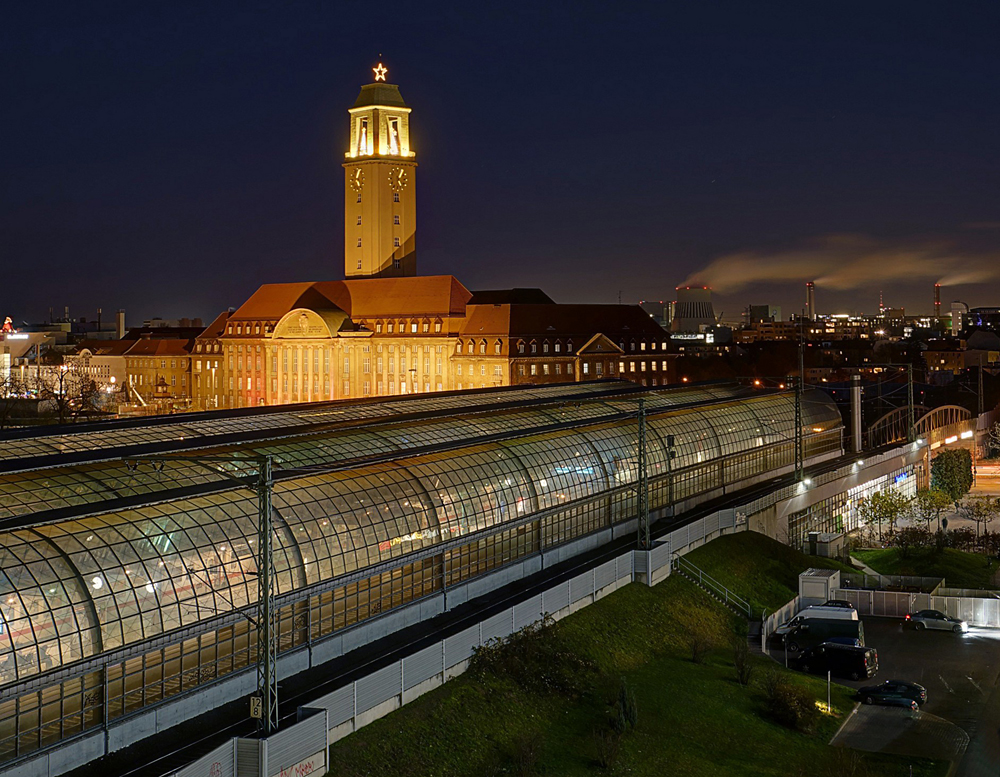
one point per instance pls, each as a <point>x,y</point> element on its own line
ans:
<point>545,369</point>
<point>558,347</point>
<point>586,368</point>
<point>534,369</point>
<point>545,347</point>
<point>393,136</point>
<point>413,328</point>
<point>437,326</point>
<point>389,327</point>
<point>497,347</point>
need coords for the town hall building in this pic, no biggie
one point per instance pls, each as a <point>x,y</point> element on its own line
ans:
<point>385,330</point>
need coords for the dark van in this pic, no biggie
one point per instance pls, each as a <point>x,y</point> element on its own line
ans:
<point>852,663</point>
<point>815,631</point>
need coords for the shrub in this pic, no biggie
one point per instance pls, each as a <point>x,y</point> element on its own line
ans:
<point>608,744</point>
<point>793,706</point>
<point>527,750</point>
<point>626,714</point>
<point>533,659</point>
<point>741,659</point>
<point>700,641</point>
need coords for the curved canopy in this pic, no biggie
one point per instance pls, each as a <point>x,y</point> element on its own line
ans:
<point>72,589</point>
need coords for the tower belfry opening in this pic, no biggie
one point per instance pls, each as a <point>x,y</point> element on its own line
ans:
<point>380,211</point>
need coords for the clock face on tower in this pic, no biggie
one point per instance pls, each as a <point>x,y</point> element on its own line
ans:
<point>398,179</point>
<point>357,179</point>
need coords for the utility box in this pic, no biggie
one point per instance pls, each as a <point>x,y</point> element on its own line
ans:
<point>825,544</point>
<point>817,585</point>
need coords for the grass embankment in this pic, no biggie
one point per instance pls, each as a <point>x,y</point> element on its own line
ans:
<point>761,570</point>
<point>694,719</point>
<point>959,568</point>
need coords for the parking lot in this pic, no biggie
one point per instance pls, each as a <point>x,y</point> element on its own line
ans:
<point>960,672</point>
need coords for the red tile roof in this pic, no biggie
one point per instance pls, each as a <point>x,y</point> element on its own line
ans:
<point>150,347</point>
<point>436,295</point>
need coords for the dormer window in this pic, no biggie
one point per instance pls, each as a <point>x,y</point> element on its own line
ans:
<point>569,347</point>
<point>558,347</point>
<point>534,347</point>
<point>497,347</point>
<point>482,347</point>
<point>520,347</point>
<point>545,347</point>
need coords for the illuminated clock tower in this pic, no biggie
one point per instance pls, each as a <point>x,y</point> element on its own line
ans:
<point>380,209</point>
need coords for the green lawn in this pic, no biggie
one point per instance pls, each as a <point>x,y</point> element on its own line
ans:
<point>761,570</point>
<point>958,568</point>
<point>694,720</point>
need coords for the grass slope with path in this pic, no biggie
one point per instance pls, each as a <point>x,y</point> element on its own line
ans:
<point>694,719</point>
<point>959,568</point>
<point>763,571</point>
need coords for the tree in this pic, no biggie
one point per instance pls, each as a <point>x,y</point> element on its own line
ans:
<point>951,472</point>
<point>993,439</point>
<point>12,392</point>
<point>981,510</point>
<point>69,391</point>
<point>928,506</point>
<point>883,507</point>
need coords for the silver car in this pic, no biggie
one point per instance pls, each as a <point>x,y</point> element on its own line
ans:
<point>933,619</point>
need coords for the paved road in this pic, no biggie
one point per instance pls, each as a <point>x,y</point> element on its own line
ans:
<point>961,673</point>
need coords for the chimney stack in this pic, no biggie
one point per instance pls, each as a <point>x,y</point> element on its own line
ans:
<point>120,324</point>
<point>811,301</point>
<point>937,300</point>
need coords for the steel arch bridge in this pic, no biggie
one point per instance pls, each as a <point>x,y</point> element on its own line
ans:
<point>893,426</point>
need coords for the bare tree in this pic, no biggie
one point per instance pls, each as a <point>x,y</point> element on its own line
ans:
<point>993,438</point>
<point>12,391</point>
<point>981,510</point>
<point>69,390</point>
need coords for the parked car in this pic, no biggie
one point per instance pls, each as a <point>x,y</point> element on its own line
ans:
<point>855,663</point>
<point>899,701</point>
<point>852,641</point>
<point>814,631</point>
<point>890,690</point>
<point>934,619</point>
<point>838,603</point>
<point>809,613</point>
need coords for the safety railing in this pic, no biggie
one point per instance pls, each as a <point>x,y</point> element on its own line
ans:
<point>713,586</point>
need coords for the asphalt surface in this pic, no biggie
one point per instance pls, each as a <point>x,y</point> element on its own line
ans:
<point>959,671</point>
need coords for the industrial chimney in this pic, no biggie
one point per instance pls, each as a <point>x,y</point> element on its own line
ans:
<point>937,300</point>
<point>811,301</point>
<point>120,324</point>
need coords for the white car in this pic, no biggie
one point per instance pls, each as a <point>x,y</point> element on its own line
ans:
<point>934,619</point>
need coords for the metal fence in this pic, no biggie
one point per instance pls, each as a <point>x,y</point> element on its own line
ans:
<point>976,611</point>
<point>904,583</point>
<point>775,619</point>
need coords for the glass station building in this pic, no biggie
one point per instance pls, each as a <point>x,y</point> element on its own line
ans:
<point>126,580</point>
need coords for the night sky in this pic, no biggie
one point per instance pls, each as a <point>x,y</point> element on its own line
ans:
<point>169,158</point>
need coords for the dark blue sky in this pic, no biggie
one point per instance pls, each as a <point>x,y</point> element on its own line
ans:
<point>169,158</point>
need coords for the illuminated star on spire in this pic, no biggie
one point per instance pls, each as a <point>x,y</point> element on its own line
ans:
<point>380,72</point>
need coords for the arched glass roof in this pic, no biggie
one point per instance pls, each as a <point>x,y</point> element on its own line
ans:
<point>75,588</point>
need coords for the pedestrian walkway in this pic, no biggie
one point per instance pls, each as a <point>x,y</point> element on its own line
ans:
<point>902,732</point>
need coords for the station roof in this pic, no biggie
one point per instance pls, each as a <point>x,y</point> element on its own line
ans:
<point>144,550</point>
